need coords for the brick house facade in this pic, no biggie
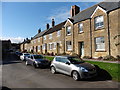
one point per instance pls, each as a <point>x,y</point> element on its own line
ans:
<point>93,32</point>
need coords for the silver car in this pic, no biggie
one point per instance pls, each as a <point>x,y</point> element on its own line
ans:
<point>73,66</point>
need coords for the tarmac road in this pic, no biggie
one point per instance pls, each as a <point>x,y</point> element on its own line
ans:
<point>15,74</point>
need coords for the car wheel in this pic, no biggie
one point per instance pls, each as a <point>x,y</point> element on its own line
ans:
<point>75,75</point>
<point>53,70</point>
<point>26,62</point>
<point>34,64</point>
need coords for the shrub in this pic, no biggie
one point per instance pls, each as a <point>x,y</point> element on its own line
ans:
<point>108,57</point>
<point>100,57</point>
<point>118,57</point>
<point>87,57</point>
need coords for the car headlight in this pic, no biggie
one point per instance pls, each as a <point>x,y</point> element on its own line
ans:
<point>83,69</point>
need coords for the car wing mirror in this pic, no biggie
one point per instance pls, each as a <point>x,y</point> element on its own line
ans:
<point>68,63</point>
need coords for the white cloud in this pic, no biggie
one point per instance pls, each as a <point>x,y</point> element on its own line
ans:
<point>59,14</point>
<point>13,39</point>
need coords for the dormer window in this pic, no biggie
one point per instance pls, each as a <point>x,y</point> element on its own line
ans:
<point>99,22</point>
<point>68,30</point>
<point>80,26</point>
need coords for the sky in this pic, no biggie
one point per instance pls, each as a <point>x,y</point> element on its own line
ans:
<point>23,19</point>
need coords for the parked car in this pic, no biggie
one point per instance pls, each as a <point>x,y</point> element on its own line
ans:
<point>23,56</point>
<point>73,66</point>
<point>37,61</point>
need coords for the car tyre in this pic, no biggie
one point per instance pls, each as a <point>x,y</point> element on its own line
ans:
<point>75,75</point>
<point>34,64</point>
<point>53,70</point>
<point>26,63</point>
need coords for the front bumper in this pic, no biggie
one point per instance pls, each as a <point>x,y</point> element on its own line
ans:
<point>87,75</point>
<point>41,65</point>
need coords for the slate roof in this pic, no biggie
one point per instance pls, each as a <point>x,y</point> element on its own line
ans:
<point>55,28</point>
<point>40,34</point>
<point>86,14</point>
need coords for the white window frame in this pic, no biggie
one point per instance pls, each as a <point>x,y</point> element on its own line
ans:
<point>80,26</point>
<point>68,28</point>
<point>68,47</point>
<point>58,33</point>
<point>43,47</point>
<point>44,37</point>
<point>38,39</point>
<point>50,36</point>
<point>100,46</point>
<point>99,22</point>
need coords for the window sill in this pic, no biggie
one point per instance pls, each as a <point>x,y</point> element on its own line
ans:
<point>68,35</point>
<point>80,32</point>
<point>100,50</point>
<point>99,28</point>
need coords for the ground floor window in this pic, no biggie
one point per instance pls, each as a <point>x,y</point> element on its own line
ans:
<point>68,45</point>
<point>100,43</point>
<point>38,47</point>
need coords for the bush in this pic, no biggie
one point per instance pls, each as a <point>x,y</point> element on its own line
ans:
<point>118,57</point>
<point>87,57</point>
<point>111,58</point>
<point>100,58</point>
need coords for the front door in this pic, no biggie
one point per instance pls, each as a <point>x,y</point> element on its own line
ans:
<point>81,49</point>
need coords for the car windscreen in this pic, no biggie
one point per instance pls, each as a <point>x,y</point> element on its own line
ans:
<point>75,60</point>
<point>38,56</point>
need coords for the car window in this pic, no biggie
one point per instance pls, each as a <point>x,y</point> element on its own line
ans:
<point>58,59</point>
<point>31,57</point>
<point>28,56</point>
<point>64,60</point>
<point>75,60</point>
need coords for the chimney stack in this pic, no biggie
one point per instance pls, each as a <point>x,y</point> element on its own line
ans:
<point>47,26</point>
<point>53,23</point>
<point>74,10</point>
<point>39,30</point>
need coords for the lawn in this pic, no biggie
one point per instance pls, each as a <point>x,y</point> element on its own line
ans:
<point>112,68</point>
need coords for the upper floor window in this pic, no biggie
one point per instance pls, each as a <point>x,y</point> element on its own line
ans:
<point>80,27</point>
<point>44,37</point>
<point>68,45</point>
<point>68,30</point>
<point>34,41</point>
<point>50,36</point>
<point>100,43</point>
<point>38,39</point>
<point>58,33</point>
<point>99,22</point>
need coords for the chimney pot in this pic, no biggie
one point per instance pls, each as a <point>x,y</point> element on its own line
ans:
<point>74,10</point>
<point>39,30</point>
<point>47,26</point>
<point>53,23</point>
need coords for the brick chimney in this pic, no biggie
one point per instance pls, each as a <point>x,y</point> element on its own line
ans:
<point>47,26</point>
<point>53,23</point>
<point>74,10</point>
<point>39,30</point>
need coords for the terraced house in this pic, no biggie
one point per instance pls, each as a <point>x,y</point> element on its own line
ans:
<point>93,32</point>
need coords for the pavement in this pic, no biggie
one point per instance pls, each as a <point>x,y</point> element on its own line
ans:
<point>15,74</point>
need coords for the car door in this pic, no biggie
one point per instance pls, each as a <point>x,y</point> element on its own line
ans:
<point>65,68</point>
<point>31,60</point>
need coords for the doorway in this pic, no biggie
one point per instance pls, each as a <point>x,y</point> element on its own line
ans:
<point>81,49</point>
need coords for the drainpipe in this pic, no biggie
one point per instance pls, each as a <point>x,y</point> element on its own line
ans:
<point>91,37</point>
<point>109,51</point>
